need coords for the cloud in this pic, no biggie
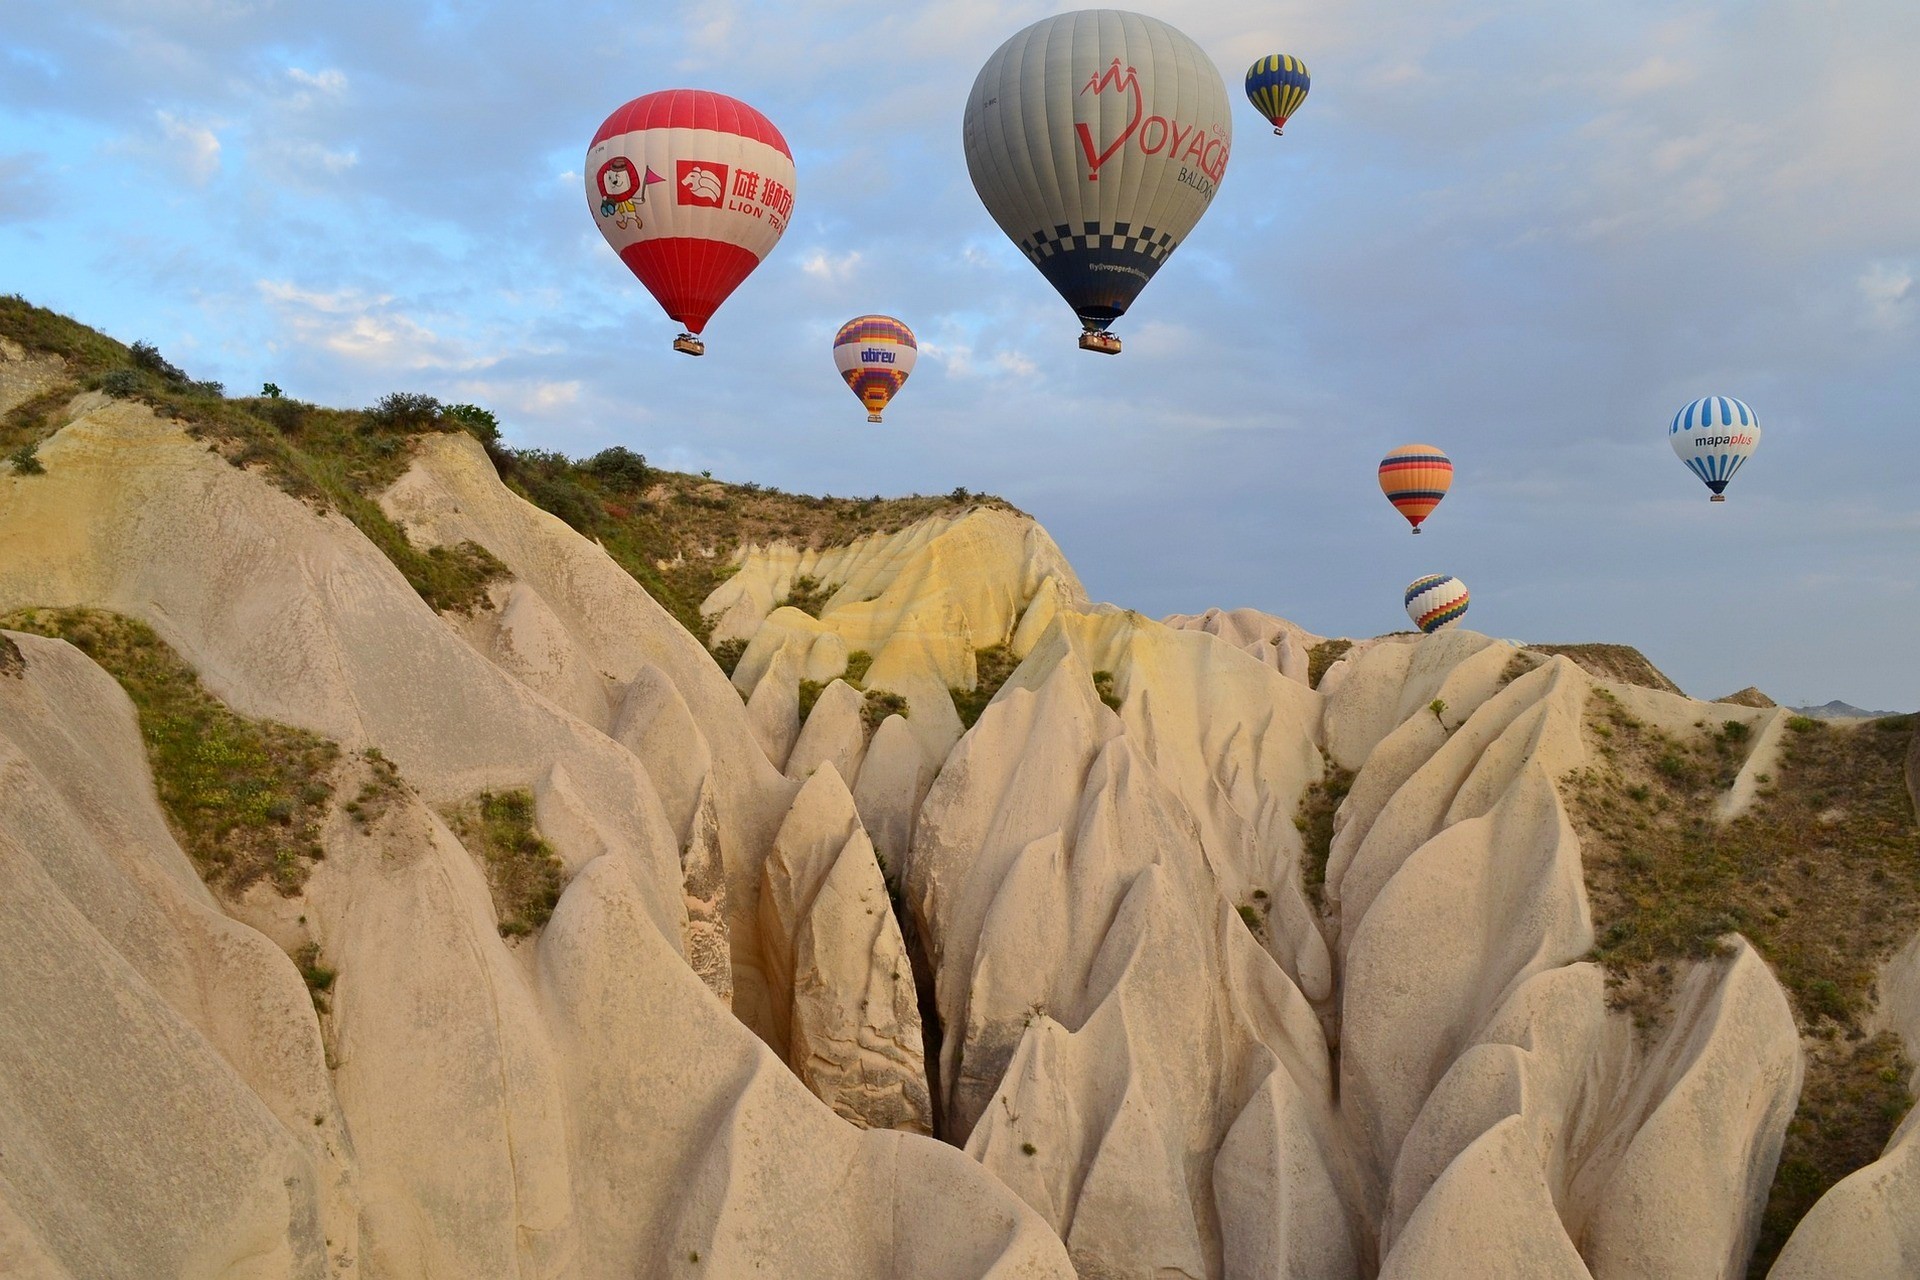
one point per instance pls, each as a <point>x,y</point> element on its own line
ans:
<point>370,330</point>
<point>194,148</point>
<point>825,265</point>
<point>340,302</point>
<point>534,397</point>
<point>1886,289</point>
<point>330,81</point>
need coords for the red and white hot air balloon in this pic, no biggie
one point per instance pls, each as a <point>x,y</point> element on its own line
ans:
<point>692,189</point>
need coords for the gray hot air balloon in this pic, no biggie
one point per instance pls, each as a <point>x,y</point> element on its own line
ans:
<point>1096,139</point>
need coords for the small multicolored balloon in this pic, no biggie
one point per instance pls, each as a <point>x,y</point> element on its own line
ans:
<point>1276,86</point>
<point>1415,477</point>
<point>874,354</point>
<point>1435,601</point>
<point>1714,436</point>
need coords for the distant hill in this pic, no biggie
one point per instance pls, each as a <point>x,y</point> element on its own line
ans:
<point>1838,710</point>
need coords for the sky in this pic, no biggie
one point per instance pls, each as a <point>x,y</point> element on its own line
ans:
<point>1525,233</point>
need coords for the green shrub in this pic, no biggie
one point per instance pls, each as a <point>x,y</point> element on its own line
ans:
<point>992,666</point>
<point>319,978</point>
<point>148,357</point>
<point>474,420</point>
<point>405,411</point>
<point>1323,656</point>
<point>522,872</point>
<point>859,662</point>
<point>810,691</point>
<point>120,383</point>
<point>1103,689</point>
<point>26,460</point>
<point>619,468</point>
<point>728,654</point>
<point>1314,820</point>
<point>880,704</point>
<point>807,595</point>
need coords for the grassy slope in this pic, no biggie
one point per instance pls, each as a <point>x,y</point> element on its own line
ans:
<point>675,533</point>
<point>245,798</point>
<point>1822,875</point>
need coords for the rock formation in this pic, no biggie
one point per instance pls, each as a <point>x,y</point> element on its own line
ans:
<point>873,992</point>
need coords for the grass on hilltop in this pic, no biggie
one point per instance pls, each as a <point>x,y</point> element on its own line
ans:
<point>246,798</point>
<point>1821,875</point>
<point>674,533</point>
<point>1620,662</point>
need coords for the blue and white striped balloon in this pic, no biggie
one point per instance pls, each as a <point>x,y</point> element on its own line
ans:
<point>1714,436</point>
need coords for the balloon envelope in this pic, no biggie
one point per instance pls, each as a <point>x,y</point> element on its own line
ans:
<point>1096,139</point>
<point>692,189</point>
<point>1436,601</point>
<point>1714,436</point>
<point>874,354</point>
<point>1276,86</point>
<point>1415,477</point>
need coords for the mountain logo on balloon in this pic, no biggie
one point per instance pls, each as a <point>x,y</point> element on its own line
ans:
<point>1120,82</point>
<point>701,183</point>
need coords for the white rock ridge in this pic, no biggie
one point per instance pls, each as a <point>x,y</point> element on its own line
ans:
<point>1073,942</point>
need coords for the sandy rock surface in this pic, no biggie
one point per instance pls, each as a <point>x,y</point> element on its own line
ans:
<point>1072,942</point>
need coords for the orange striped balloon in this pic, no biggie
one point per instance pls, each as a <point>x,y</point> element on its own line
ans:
<point>1415,477</point>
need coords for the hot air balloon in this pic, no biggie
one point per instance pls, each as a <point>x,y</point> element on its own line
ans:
<point>1276,86</point>
<point>1415,477</point>
<point>1096,139</point>
<point>692,189</point>
<point>1436,601</point>
<point>874,354</point>
<point>1714,436</point>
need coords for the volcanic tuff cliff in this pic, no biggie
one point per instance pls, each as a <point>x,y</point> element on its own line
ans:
<point>1191,967</point>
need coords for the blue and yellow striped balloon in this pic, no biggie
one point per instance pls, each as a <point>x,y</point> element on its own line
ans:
<point>1276,86</point>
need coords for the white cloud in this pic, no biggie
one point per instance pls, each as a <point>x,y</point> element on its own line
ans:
<point>330,81</point>
<point>368,330</point>
<point>1887,291</point>
<point>343,300</point>
<point>195,147</point>
<point>533,397</point>
<point>831,267</point>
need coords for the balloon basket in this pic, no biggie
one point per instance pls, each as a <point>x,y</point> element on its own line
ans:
<point>873,417</point>
<point>1718,497</point>
<point>1278,132</point>
<point>689,345</point>
<point>1416,531</point>
<point>1105,343</point>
